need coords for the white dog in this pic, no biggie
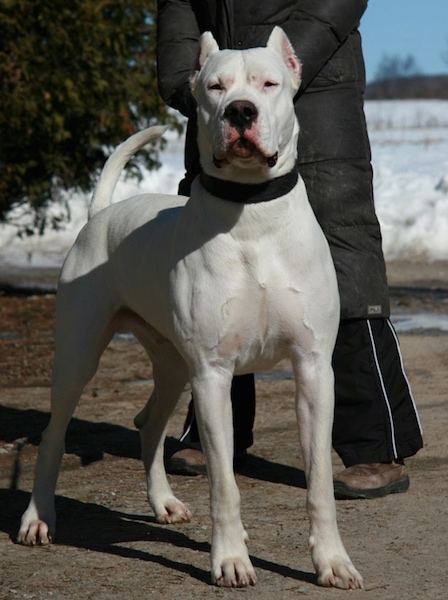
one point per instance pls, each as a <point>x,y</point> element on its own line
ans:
<point>231,282</point>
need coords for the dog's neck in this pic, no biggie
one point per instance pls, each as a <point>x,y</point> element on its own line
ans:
<point>250,193</point>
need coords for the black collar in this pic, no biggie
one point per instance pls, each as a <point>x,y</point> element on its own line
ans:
<point>250,193</point>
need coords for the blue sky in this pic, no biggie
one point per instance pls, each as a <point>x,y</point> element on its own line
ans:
<point>403,27</point>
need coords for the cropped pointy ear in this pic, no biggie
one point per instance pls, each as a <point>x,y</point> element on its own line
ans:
<point>279,42</point>
<point>207,47</point>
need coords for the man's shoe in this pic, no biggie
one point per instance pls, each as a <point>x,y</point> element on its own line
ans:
<point>373,480</point>
<point>190,461</point>
<point>187,461</point>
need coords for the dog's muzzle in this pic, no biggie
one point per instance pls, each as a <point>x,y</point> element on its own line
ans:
<point>241,116</point>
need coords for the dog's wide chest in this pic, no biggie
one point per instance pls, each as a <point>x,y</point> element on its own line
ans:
<point>253,317</point>
<point>263,327</point>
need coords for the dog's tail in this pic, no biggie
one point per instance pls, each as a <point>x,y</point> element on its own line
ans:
<point>114,165</point>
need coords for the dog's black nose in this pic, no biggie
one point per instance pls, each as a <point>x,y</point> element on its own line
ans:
<point>241,114</point>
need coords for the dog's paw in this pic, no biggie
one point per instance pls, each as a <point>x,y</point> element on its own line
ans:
<point>234,573</point>
<point>35,533</point>
<point>231,565</point>
<point>340,573</point>
<point>173,511</point>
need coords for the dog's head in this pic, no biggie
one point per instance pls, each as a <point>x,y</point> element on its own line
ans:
<point>246,121</point>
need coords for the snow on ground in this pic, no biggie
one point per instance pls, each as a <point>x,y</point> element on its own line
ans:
<point>410,160</point>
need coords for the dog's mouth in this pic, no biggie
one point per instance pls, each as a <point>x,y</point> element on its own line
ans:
<point>244,148</point>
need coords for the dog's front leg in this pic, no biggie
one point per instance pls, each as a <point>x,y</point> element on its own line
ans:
<point>230,563</point>
<point>315,406</point>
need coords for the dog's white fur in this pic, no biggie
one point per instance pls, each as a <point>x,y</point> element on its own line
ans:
<point>210,289</point>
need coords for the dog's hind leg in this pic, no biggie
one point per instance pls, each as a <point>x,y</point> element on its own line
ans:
<point>315,405</point>
<point>230,562</point>
<point>170,380</point>
<point>81,337</point>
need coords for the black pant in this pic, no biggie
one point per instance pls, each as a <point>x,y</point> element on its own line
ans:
<point>242,394</point>
<point>375,416</point>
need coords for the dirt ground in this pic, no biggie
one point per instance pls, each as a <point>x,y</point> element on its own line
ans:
<point>108,545</point>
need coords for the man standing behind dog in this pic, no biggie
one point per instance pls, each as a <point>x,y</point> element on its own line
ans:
<point>376,423</point>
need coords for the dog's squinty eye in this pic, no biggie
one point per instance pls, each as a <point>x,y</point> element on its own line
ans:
<point>270,84</point>
<point>216,86</point>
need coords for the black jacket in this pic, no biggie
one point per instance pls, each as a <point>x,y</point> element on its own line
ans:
<point>334,150</point>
